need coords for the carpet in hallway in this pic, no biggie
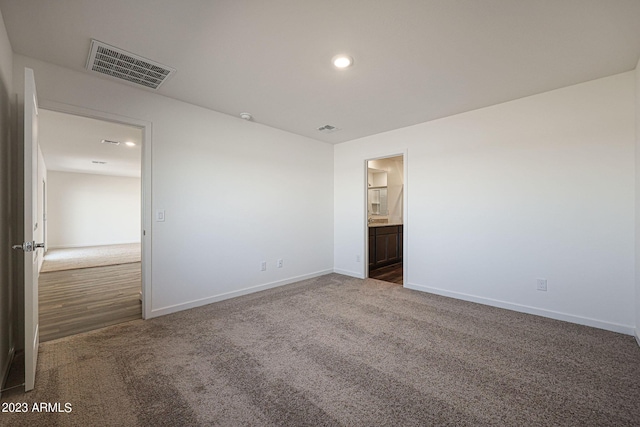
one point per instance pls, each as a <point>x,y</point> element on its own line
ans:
<point>90,256</point>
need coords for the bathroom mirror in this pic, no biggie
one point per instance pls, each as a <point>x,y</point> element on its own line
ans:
<point>377,201</point>
<point>377,194</point>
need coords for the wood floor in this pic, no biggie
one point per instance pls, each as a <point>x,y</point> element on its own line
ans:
<point>74,301</point>
<point>391,273</point>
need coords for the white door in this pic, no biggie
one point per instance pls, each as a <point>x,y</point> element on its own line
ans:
<point>31,249</point>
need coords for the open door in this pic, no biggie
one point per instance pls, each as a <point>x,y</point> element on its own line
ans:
<point>29,246</point>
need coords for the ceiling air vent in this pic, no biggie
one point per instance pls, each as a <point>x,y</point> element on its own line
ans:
<point>118,63</point>
<point>328,129</point>
<point>107,141</point>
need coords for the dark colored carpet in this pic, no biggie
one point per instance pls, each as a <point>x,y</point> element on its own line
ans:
<point>338,351</point>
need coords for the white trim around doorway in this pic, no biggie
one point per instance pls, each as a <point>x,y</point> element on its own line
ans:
<point>405,217</point>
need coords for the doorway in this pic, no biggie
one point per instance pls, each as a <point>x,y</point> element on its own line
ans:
<point>385,219</point>
<point>91,276</point>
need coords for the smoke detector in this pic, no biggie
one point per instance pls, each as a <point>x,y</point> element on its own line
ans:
<point>115,62</point>
<point>246,116</point>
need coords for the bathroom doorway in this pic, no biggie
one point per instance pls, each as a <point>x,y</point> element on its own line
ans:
<point>385,219</point>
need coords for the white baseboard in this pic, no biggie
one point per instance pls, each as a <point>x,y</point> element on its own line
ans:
<point>637,335</point>
<point>89,246</point>
<point>609,326</point>
<point>349,273</point>
<point>4,374</point>
<point>221,297</point>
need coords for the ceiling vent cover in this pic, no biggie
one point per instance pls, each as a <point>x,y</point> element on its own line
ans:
<point>108,141</point>
<point>328,129</point>
<point>118,63</point>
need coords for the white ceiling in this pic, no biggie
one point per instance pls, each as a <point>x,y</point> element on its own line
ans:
<point>415,60</point>
<point>71,143</point>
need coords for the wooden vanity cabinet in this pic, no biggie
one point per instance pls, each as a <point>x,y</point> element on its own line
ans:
<point>385,246</point>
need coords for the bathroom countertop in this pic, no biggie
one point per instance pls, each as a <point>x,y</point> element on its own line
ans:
<point>384,224</point>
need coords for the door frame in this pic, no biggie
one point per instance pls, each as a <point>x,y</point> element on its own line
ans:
<point>146,213</point>
<point>405,209</point>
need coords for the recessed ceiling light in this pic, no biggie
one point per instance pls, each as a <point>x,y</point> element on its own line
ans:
<point>342,61</point>
<point>130,144</point>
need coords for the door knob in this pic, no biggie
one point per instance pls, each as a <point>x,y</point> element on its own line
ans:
<point>28,246</point>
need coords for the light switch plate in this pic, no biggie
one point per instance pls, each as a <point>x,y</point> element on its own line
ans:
<point>160,215</point>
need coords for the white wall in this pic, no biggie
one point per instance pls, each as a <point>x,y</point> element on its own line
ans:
<point>540,187</point>
<point>91,210</point>
<point>6,218</point>
<point>235,192</point>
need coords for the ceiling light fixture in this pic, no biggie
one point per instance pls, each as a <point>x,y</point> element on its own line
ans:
<point>130,144</point>
<point>245,116</point>
<point>342,61</point>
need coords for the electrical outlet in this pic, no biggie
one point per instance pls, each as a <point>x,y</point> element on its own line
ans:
<point>280,263</point>
<point>263,266</point>
<point>541,284</point>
